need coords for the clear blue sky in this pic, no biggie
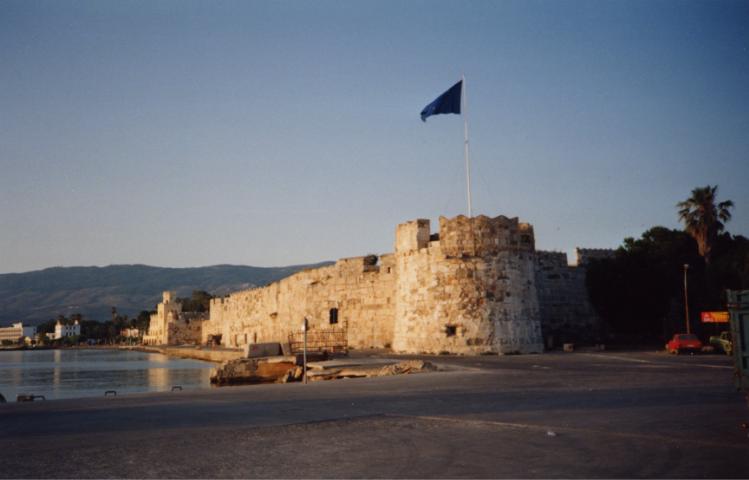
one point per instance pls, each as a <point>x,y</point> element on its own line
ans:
<point>187,133</point>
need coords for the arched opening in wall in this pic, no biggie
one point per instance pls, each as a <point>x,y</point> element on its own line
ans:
<point>451,330</point>
<point>333,316</point>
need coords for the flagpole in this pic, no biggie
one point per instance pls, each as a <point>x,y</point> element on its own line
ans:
<point>464,110</point>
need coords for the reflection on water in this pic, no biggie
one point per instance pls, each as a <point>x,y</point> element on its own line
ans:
<point>89,373</point>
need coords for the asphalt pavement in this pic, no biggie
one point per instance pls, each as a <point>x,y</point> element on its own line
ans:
<point>556,415</point>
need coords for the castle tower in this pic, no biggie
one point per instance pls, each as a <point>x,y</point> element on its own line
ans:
<point>167,311</point>
<point>470,289</point>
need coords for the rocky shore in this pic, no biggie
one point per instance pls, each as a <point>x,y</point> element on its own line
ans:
<point>284,369</point>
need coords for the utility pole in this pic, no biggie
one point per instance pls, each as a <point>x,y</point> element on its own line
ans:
<point>686,298</point>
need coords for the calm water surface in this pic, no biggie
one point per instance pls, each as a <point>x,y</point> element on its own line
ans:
<point>89,373</point>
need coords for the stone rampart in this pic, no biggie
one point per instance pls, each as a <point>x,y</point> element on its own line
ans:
<point>186,328</point>
<point>586,255</point>
<point>471,291</point>
<point>352,294</point>
<point>566,312</point>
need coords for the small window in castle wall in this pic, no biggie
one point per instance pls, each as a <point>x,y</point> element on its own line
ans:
<point>333,316</point>
<point>451,330</point>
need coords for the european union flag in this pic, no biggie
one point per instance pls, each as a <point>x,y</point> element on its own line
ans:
<point>448,102</point>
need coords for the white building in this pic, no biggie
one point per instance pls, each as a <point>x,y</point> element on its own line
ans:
<point>62,331</point>
<point>16,332</point>
<point>130,333</point>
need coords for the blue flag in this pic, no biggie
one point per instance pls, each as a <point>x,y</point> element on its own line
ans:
<point>448,102</point>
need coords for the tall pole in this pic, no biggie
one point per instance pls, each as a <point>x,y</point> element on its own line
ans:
<point>464,111</point>
<point>304,367</point>
<point>686,298</point>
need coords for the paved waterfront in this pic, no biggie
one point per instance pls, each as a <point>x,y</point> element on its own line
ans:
<point>552,415</point>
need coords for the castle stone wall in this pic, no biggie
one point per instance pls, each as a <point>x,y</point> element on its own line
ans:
<point>472,291</point>
<point>362,294</point>
<point>586,255</point>
<point>186,328</point>
<point>566,312</point>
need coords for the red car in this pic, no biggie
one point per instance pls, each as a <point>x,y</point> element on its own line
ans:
<point>684,342</point>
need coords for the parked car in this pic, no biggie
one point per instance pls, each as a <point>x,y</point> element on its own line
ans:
<point>722,342</point>
<point>684,342</point>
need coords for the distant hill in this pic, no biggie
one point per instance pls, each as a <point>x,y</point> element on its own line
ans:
<point>34,297</point>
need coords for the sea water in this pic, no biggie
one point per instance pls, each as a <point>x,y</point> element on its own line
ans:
<point>74,373</point>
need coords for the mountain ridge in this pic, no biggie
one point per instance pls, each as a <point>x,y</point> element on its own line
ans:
<point>38,295</point>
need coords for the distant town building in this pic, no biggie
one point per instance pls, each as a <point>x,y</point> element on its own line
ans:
<point>62,331</point>
<point>16,332</point>
<point>130,333</point>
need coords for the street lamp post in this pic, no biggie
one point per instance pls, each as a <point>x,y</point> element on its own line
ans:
<point>686,298</point>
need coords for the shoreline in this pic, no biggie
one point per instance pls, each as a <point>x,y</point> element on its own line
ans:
<point>186,352</point>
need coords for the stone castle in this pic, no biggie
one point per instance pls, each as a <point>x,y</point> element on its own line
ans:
<point>476,286</point>
<point>171,326</point>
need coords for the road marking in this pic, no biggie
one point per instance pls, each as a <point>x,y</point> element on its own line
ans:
<point>713,366</point>
<point>625,359</point>
<point>548,428</point>
<point>668,364</point>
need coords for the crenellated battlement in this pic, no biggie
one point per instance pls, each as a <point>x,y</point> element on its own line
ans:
<point>585,255</point>
<point>482,235</point>
<point>466,237</point>
<point>413,235</point>
<point>549,260</point>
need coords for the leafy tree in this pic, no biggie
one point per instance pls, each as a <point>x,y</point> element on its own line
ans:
<point>635,290</point>
<point>640,290</point>
<point>729,269</point>
<point>703,218</point>
<point>199,302</point>
<point>46,327</point>
<point>142,321</point>
<point>91,329</point>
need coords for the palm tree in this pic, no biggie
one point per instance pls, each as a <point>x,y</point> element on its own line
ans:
<point>703,219</point>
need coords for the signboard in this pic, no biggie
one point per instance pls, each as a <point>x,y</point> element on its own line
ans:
<point>714,317</point>
<point>738,304</point>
